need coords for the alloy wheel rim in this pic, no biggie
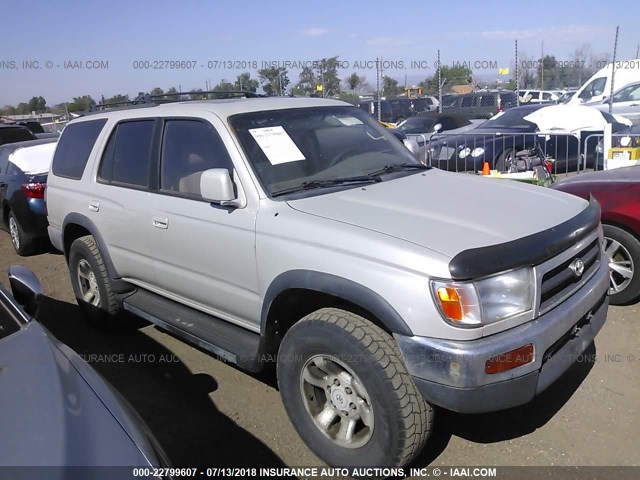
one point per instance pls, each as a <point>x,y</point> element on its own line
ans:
<point>337,401</point>
<point>88,284</point>
<point>621,267</point>
<point>15,234</point>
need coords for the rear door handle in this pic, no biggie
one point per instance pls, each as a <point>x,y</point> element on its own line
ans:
<point>161,222</point>
<point>94,205</point>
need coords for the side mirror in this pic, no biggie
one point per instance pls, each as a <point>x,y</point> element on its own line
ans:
<point>26,288</point>
<point>437,127</point>
<point>216,186</point>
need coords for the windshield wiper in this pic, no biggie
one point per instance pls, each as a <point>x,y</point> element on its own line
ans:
<point>371,178</point>
<point>400,166</point>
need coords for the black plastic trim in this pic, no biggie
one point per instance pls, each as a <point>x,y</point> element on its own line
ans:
<point>339,287</point>
<point>118,285</point>
<point>530,250</point>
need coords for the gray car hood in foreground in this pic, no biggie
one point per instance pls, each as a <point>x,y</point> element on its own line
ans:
<point>49,415</point>
<point>447,212</point>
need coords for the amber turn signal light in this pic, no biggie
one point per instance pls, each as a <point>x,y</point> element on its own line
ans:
<point>509,360</point>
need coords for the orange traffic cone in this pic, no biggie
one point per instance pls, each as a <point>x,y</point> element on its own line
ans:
<point>485,169</point>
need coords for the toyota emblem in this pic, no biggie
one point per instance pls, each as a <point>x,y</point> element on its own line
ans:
<point>577,267</point>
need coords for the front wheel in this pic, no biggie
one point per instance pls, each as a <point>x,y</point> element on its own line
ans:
<point>622,251</point>
<point>348,394</point>
<point>504,159</point>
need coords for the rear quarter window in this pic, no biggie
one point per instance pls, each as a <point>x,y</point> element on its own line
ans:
<point>15,134</point>
<point>74,147</point>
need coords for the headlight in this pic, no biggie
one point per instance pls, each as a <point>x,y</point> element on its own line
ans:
<point>464,152</point>
<point>477,152</point>
<point>485,301</point>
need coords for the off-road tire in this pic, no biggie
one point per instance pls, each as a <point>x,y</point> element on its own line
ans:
<point>402,420</point>
<point>104,314</point>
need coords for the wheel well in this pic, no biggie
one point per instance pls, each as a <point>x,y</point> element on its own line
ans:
<point>72,232</point>
<point>622,226</point>
<point>295,303</point>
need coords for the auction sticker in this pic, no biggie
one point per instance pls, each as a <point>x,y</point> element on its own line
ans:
<point>277,145</point>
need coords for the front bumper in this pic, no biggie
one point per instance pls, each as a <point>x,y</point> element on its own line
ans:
<point>451,374</point>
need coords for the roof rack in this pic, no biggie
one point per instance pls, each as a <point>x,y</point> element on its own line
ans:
<point>146,100</point>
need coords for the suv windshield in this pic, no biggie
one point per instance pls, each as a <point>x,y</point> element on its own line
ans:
<point>297,147</point>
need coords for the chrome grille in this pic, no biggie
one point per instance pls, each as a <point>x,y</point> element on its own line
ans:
<point>560,282</point>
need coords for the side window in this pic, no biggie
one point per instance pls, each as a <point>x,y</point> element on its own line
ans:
<point>74,147</point>
<point>486,101</point>
<point>467,101</point>
<point>546,96</point>
<point>596,87</point>
<point>628,94</point>
<point>127,156</point>
<point>189,147</point>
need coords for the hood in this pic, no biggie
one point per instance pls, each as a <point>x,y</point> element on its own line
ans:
<point>447,212</point>
<point>49,415</point>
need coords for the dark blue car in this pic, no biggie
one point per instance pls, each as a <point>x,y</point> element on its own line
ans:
<point>497,142</point>
<point>23,178</point>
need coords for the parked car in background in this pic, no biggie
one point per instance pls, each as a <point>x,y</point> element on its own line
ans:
<point>55,410</point>
<point>10,133</point>
<point>618,193</point>
<point>23,178</point>
<point>566,96</point>
<point>35,127</point>
<point>387,113</point>
<point>598,87</point>
<point>496,141</point>
<point>626,102</point>
<point>482,104</point>
<point>448,99</point>
<point>419,128</point>
<point>538,96</point>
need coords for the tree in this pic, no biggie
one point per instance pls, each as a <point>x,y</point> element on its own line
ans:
<point>356,82</point>
<point>116,99</point>
<point>390,87</point>
<point>156,91</point>
<point>246,83</point>
<point>36,104</point>
<point>274,80</point>
<point>224,86</point>
<point>81,104</point>
<point>306,82</point>
<point>327,74</point>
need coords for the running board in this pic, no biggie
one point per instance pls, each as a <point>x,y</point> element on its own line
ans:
<point>226,340</point>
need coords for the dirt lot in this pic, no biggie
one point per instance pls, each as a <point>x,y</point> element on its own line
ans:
<point>208,413</point>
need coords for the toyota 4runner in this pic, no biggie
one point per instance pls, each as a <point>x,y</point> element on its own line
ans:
<point>302,233</point>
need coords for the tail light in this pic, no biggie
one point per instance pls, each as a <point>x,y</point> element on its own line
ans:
<point>549,166</point>
<point>34,189</point>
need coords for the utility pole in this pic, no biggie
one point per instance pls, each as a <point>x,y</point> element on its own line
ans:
<point>542,67</point>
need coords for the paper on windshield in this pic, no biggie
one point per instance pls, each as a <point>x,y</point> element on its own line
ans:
<point>277,145</point>
<point>349,121</point>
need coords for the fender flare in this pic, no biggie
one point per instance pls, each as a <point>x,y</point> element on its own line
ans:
<point>340,287</point>
<point>118,285</point>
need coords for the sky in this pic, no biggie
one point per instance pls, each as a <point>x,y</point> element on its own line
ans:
<point>48,47</point>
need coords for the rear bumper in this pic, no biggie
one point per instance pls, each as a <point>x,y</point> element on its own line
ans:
<point>451,373</point>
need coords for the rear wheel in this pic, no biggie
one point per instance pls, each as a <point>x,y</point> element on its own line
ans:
<point>622,251</point>
<point>348,394</point>
<point>91,284</point>
<point>19,239</point>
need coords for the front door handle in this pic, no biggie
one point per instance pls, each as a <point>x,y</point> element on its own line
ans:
<point>161,222</point>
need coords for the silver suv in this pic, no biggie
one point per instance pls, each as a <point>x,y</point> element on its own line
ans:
<point>301,233</point>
